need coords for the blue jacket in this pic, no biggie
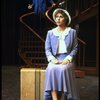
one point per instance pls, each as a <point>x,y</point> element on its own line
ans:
<point>51,43</point>
<point>40,6</point>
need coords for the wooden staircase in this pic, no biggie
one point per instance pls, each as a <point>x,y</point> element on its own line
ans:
<point>31,44</point>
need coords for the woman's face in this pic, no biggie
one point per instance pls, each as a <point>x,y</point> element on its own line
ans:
<point>60,20</point>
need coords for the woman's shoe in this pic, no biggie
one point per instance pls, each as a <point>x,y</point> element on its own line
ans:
<point>69,98</point>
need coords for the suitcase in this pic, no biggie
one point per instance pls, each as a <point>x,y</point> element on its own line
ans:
<point>32,84</point>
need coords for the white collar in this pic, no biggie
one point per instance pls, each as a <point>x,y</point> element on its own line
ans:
<point>66,31</point>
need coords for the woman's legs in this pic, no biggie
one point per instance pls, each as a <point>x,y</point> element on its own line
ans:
<point>47,95</point>
<point>54,95</point>
<point>62,96</point>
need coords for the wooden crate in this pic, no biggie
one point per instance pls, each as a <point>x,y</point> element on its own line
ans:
<point>31,84</point>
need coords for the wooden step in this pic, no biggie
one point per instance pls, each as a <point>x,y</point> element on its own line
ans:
<point>79,73</point>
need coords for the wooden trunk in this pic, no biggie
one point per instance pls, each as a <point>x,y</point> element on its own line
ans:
<point>31,84</point>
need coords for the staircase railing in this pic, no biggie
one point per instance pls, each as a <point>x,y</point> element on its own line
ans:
<point>31,55</point>
<point>29,43</point>
<point>28,29</point>
<point>21,20</point>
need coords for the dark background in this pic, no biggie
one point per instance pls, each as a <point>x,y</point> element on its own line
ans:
<point>11,10</point>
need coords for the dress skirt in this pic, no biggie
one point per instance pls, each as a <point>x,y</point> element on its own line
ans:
<point>61,78</point>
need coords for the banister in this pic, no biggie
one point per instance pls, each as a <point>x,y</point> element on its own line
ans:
<point>21,20</point>
<point>46,13</point>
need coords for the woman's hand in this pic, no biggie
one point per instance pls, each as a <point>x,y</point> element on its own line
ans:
<point>30,6</point>
<point>53,4</point>
<point>65,61</point>
<point>55,61</point>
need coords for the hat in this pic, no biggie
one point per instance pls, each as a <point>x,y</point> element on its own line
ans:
<point>65,11</point>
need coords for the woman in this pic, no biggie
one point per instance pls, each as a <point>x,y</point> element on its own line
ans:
<point>61,48</point>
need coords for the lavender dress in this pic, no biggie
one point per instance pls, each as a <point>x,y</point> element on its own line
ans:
<point>61,77</point>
